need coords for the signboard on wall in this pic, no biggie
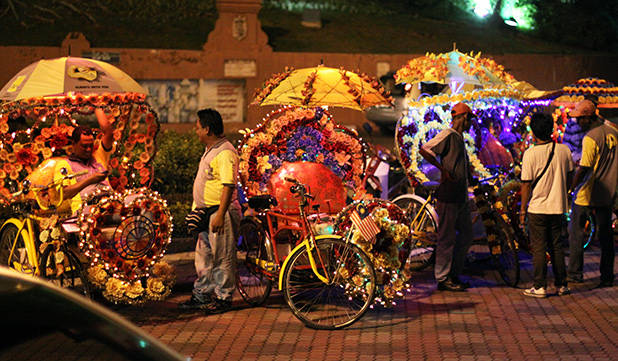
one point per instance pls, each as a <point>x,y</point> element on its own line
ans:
<point>178,100</point>
<point>240,68</point>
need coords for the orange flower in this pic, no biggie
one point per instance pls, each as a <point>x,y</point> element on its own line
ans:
<point>26,157</point>
<point>144,157</point>
<point>144,173</point>
<point>123,181</point>
<point>113,163</point>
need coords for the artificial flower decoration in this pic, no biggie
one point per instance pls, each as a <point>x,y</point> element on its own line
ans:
<point>36,129</point>
<point>124,237</point>
<point>605,92</point>
<point>390,250</point>
<point>293,134</point>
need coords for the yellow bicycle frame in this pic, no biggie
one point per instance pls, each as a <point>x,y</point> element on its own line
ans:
<point>310,245</point>
<point>27,233</point>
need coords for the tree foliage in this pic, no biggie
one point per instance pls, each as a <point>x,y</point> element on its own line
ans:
<point>591,24</point>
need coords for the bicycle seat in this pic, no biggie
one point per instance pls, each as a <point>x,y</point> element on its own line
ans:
<point>262,202</point>
<point>431,185</point>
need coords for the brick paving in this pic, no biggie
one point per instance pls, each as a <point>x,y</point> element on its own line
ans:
<point>489,322</point>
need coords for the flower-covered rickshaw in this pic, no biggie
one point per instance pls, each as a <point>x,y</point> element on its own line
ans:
<point>117,239</point>
<point>494,96</point>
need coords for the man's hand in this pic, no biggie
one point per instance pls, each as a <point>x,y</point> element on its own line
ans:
<point>217,222</point>
<point>104,122</point>
<point>522,219</point>
<point>97,177</point>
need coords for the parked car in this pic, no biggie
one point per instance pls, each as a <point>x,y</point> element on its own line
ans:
<point>44,322</point>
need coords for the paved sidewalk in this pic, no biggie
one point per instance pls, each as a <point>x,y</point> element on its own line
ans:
<point>489,322</point>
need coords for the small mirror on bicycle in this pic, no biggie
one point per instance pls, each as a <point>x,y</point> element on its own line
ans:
<point>26,185</point>
<point>64,171</point>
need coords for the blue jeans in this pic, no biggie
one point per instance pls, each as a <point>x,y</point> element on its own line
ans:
<point>215,259</point>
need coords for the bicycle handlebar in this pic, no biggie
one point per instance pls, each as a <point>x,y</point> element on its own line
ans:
<point>37,190</point>
<point>299,188</point>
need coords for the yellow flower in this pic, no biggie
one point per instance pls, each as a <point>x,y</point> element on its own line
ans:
<point>135,290</point>
<point>115,288</point>
<point>263,164</point>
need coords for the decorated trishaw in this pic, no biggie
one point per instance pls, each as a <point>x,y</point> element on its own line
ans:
<point>494,96</point>
<point>116,240</point>
<point>300,170</point>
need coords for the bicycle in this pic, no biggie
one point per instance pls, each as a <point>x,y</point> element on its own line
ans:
<point>423,226</point>
<point>21,248</point>
<point>327,282</point>
<point>501,239</point>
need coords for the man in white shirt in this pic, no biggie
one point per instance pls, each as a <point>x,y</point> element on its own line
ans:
<point>545,175</point>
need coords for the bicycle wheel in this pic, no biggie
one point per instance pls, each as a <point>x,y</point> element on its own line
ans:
<point>19,260</point>
<point>341,301</point>
<point>424,232</point>
<point>71,275</point>
<point>252,280</point>
<point>507,260</point>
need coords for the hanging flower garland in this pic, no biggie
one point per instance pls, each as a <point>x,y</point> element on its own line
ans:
<point>124,236</point>
<point>270,84</point>
<point>412,131</point>
<point>292,134</point>
<point>430,67</point>
<point>37,129</point>
<point>390,250</point>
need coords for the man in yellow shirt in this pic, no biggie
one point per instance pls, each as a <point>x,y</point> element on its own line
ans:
<point>215,200</point>
<point>596,179</point>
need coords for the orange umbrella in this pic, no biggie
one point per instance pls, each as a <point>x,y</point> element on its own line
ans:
<point>605,92</point>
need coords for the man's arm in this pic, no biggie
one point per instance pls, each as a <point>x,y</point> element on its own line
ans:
<point>433,161</point>
<point>217,223</point>
<point>72,190</point>
<point>525,197</point>
<point>580,174</point>
<point>106,126</point>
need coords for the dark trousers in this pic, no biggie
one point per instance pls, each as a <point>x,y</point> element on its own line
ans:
<point>603,219</point>
<point>545,232</point>
<point>454,238</point>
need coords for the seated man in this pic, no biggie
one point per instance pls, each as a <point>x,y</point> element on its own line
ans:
<point>90,156</point>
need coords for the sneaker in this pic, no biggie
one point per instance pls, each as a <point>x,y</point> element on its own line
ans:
<point>218,306</point>
<point>457,280</point>
<point>575,280</point>
<point>195,304</point>
<point>449,285</point>
<point>563,291</point>
<point>536,292</point>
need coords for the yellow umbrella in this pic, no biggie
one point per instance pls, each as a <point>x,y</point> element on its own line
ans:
<point>66,76</point>
<point>322,86</point>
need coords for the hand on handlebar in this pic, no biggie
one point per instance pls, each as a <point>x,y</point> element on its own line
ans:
<point>98,177</point>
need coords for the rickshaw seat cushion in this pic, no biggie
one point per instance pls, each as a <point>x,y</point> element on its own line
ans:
<point>262,202</point>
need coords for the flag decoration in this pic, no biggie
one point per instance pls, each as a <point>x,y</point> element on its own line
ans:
<point>363,220</point>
